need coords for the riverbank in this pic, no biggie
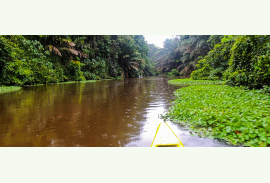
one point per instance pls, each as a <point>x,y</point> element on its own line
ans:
<point>86,81</point>
<point>241,117</point>
<point>191,81</point>
<point>5,89</point>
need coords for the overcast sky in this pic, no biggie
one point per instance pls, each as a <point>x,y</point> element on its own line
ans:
<point>157,39</point>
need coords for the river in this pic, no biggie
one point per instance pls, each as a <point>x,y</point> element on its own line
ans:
<point>107,113</point>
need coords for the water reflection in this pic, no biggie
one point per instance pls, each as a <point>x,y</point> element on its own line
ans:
<point>103,113</point>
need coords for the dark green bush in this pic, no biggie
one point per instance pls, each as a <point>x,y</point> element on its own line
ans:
<point>174,72</point>
<point>249,64</point>
<point>74,71</point>
<point>214,64</point>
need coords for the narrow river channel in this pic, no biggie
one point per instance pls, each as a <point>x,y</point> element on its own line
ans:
<point>95,114</point>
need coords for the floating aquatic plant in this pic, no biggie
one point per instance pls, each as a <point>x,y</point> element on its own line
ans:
<point>4,89</point>
<point>241,117</point>
<point>191,81</point>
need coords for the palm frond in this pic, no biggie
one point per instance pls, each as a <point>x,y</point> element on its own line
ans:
<point>134,63</point>
<point>134,67</point>
<point>68,42</point>
<point>53,49</point>
<point>70,50</point>
<point>82,55</point>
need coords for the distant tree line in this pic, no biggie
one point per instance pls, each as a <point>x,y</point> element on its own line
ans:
<point>180,53</point>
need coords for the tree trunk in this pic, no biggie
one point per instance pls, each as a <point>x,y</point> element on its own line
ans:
<point>127,74</point>
<point>123,73</point>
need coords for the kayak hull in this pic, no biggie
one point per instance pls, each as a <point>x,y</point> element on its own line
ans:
<point>165,137</point>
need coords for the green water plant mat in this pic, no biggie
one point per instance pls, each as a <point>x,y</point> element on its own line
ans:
<point>241,117</point>
<point>191,81</point>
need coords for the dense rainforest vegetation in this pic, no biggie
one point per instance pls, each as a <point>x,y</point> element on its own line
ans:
<point>238,110</point>
<point>181,54</point>
<point>26,60</point>
<point>238,60</point>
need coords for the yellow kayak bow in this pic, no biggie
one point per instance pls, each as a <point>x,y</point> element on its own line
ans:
<point>165,137</point>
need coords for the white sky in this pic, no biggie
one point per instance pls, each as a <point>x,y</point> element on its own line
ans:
<point>157,39</point>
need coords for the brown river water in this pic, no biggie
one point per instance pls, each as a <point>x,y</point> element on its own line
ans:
<point>108,113</point>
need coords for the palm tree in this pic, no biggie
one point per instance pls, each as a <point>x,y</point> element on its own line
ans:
<point>62,47</point>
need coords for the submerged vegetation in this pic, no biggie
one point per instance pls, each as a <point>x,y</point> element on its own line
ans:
<point>239,116</point>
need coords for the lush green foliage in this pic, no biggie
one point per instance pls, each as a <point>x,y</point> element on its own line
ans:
<point>27,60</point>
<point>239,60</point>
<point>191,81</point>
<point>74,71</point>
<point>249,64</point>
<point>4,89</point>
<point>213,65</point>
<point>231,113</point>
<point>174,73</point>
